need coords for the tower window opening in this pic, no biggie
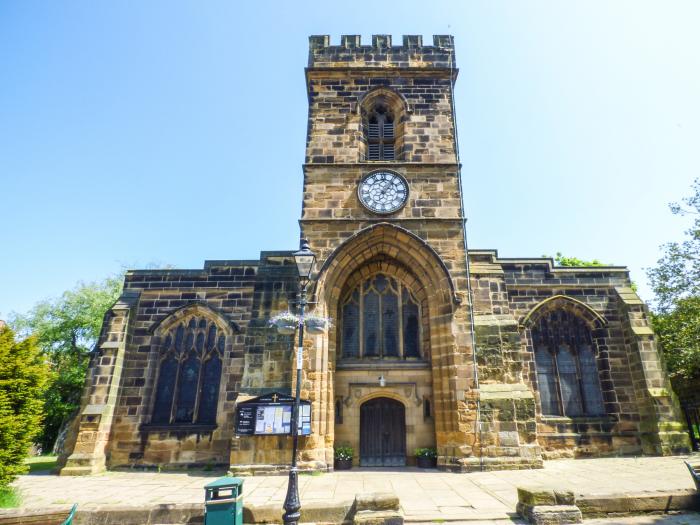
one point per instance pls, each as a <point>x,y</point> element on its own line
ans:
<point>379,133</point>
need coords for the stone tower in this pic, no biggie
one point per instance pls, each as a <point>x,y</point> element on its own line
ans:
<point>382,196</point>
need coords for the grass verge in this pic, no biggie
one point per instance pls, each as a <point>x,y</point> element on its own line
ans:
<point>41,463</point>
<point>9,498</point>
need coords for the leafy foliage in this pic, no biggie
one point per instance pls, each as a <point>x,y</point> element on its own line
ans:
<point>677,272</point>
<point>23,376</point>
<point>343,453</point>
<point>562,260</point>
<point>676,283</point>
<point>678,331</point>
<point>425,453</point>
<point>66,329</point>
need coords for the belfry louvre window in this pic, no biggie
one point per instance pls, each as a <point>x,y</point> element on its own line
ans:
<point>380,320</point>
<point>567,373</point>
<point>379,134</point>
<point>189,374</point>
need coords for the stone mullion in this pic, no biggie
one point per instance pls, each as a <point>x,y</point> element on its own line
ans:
<point>361,335</point>
<point>402,352</point>
<point>554,350</point>
<point>176,389</point>
<point>200,378</point>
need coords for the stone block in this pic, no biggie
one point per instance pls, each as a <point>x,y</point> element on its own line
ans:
<point>386,517</point>
<point>534,495</point>
<point>552,514</point>
<point>659,501</point>
<point>376,501</point>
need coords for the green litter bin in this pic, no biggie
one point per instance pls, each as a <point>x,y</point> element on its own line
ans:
<point>223,502</point>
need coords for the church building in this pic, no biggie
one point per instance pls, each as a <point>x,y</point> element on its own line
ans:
<point>497,363</point>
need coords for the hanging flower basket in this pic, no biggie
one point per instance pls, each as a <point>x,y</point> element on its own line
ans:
<point>315,324</point>
<point>285,322</point>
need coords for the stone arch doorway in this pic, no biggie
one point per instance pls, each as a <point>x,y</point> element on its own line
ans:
<point>382,433</point>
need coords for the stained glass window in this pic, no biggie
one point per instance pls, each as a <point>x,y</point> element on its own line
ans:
<point>411,329</point>
<point>209,391</point>
<point>351,326</point>
<point>380,320</point>
<point>370,319</point>
<point>546,379</point>
<point>592,396</point>
<point>567,372</point>
<point>190,373</point>
<point>569,382</point>
<point>166,387</point>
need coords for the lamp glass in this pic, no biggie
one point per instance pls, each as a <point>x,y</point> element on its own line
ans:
<point>305,259</point>
<point>305,263</point>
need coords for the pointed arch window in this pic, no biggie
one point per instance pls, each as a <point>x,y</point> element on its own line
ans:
<point>380,132</point>
<point>567,372</point>
<point>189,375</point>
<point>380,320</point>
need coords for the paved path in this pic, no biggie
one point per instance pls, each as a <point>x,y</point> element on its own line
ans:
<point>424,495</point>
<point>690,518</point>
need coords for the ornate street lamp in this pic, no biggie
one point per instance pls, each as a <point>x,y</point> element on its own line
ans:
<point>304,260</point>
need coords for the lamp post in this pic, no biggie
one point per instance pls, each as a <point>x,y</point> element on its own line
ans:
<point>304,259</point>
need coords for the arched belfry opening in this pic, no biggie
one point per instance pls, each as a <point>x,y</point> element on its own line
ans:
<point>383,114</point>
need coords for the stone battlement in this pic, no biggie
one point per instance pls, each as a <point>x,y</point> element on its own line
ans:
<point>381,54</point>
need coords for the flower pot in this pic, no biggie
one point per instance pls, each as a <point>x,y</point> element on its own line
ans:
<point>285,327</point>
<point>343,464</point>
<point>423,462</point>
<point>315,326</point>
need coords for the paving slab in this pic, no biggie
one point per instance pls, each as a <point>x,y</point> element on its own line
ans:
<point>425,495</point>
<point>691,518</point>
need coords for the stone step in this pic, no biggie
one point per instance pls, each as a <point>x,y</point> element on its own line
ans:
<point>476,521</point>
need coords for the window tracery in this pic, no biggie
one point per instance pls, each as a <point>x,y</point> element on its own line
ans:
<point>380,320</point>
<point>189,374</point>
<point>565,362</point>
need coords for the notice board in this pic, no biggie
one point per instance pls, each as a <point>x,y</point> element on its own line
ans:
<point>271,415</point>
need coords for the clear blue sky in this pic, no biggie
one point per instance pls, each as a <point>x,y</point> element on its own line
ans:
<point>171,132</point>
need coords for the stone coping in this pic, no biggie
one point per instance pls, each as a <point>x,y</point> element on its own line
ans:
<point>552,506</point>
<point>367,508</point>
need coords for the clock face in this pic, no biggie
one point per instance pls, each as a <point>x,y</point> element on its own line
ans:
<point>383,192</point>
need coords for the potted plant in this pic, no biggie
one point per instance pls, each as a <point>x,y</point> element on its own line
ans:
<point>285,322</point>
<point>343,458</point>
<point>426,457</point>
<point>316,324</point>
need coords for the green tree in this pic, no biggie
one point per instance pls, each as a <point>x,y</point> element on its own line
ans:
<point>677,273</point>
<point>676,283</point>
<point>678,331</point>
<point>23,375</point>
<point>66,329</point>
<point>562,260</point>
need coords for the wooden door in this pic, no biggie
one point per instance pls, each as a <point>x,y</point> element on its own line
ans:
<point>382,433</point>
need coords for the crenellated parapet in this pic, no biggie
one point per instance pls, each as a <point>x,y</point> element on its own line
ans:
<point>381,53</point>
